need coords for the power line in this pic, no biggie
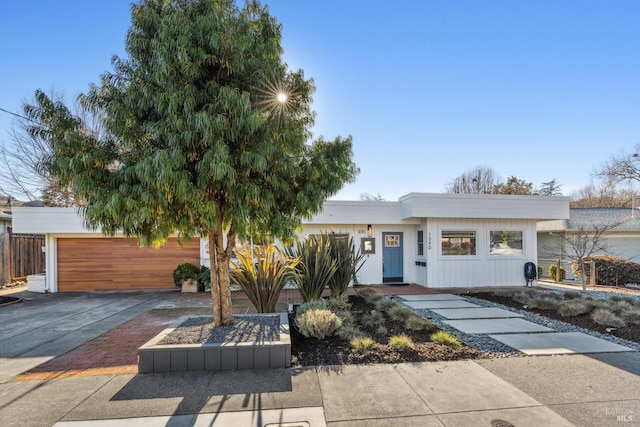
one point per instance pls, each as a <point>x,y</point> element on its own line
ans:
<point>17,115</point>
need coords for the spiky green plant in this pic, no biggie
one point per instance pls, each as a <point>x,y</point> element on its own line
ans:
<point>338,304</point>
<point>445,338</point>
<point>316,304</point>
<point>401,342</point>
<point>262,281</point>
<point>315,268</point>
<point>348,262</point>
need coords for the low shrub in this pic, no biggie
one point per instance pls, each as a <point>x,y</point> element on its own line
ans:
<point>572,295</point>
<point>417,323</point>
<point>545,303</point>
<point>372,319</point>
<point>620,305</point>
<point>362,343</point>
<point>318,323</point>
<point>337,304</point>
<point>318,304</point>
<point>631,316</point>
<point>346,317</point>
<point>574,307</point>
<point>347,332</point>
<point>366,291</point>
<point>445,338</point>
<point>594,304</point>
<point>400,313</point>
<point>382,330</point>
<point>605,317</point>
<point>522,297</point>
<point>610,270</point>
<point>184,272</point>
<point>385,304</point>
<point>502,292</point>
<point>552,272</point>
<point>401,342</point>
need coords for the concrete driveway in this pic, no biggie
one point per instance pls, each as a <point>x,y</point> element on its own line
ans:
<point>48,325</point>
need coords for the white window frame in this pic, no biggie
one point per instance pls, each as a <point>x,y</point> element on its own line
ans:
<point>474,230</point>
<point>506,256</point>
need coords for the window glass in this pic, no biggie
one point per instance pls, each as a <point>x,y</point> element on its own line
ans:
<point>505,242</point>
<point>458,243</point>
<point>420,242</point>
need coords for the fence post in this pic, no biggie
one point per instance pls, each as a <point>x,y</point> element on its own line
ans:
<point>558,273</point>
<point>5,259</point>
<point>593,273</point>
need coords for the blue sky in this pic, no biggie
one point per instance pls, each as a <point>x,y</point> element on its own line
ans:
<point>539,89</point>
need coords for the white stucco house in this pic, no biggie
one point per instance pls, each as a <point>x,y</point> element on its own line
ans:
<point>433,240</point>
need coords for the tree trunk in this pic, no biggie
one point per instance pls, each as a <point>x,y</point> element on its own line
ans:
<point>215,280</point>
<point>583,274</point>
<point>225,288</point>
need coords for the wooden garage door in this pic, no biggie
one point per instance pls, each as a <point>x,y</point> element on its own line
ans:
<point>120,264</point>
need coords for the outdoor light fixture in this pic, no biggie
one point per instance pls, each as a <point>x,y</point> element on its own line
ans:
<point>369,230</point>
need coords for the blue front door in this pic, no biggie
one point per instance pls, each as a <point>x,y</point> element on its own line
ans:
<point>392,257</point>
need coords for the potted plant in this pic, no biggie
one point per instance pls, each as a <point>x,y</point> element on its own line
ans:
<point>186,276</point>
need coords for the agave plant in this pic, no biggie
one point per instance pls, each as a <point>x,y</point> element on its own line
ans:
<point>262,275</point>
<point>316,267</point>
<point>348,262</point>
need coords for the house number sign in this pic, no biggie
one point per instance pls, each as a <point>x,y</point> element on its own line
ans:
<point>429,240</point>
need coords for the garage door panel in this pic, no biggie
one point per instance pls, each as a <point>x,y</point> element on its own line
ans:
<point>120,264</point>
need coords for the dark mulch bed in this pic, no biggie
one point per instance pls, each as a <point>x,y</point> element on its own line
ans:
<point>631,332</point>
<point>338,351</point>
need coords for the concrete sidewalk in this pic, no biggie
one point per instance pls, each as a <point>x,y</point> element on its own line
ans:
<point>567,390</point>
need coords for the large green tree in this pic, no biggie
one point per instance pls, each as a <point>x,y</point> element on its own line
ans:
<point>208,135</point>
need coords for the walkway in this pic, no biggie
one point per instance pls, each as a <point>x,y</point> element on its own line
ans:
<point>508,327</point>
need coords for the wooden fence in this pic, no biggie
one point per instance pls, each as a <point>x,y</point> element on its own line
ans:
<point>20,256</point>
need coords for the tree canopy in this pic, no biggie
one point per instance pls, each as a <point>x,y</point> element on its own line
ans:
<point>207,134</point>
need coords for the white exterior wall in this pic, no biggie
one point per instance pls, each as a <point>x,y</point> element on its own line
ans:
<point>482,269</point>
<point>371,271</point>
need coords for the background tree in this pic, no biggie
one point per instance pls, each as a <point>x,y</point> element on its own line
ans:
<point>622,168</point>
<point>550,188</point>
<point>23,172</point>
<point>604,195</point>
<point>479,180</point>
<point>207,135</point>
<point>580,244</point>
<point>366,197</point>
<point>513,186</point>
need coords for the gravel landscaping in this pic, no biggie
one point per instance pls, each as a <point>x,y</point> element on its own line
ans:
<point>200,330</point>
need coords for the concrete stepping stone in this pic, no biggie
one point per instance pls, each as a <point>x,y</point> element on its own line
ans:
<point>440,304</point>
<point>431,297</point>
<point>558,343</point>
<point>476,313</point>
<point>496,326</point>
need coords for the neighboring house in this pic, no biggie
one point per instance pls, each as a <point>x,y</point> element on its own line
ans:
<point>622,240</point>
<point>434,240</point>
